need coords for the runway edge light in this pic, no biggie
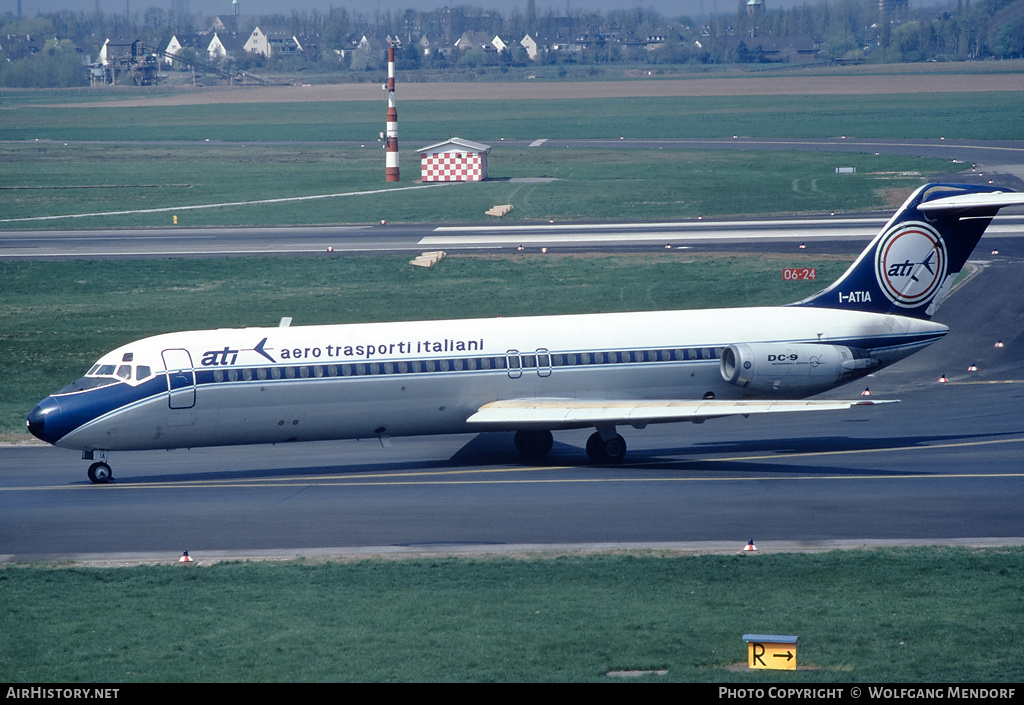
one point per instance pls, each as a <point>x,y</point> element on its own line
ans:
<point>771,651</point>
<point>750,546</point>
<point>185,558</point>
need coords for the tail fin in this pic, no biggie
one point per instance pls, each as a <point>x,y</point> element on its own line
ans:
<point>911,265</point>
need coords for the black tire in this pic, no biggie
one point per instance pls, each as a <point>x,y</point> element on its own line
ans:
<point>595,449</point>
<point>615,449</point>
<point>534,444</point>
<point>606,452</point>
<point>100,473</point>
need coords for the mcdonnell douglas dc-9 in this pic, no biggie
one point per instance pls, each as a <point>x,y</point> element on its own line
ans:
<point>530,375</point>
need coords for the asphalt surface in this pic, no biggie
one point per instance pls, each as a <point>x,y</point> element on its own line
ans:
<point>943,466</point>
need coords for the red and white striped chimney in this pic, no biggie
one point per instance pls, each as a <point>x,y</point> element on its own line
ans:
<point>391,145</point>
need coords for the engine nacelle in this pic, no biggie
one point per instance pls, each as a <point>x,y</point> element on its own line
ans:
<point>792,368</point>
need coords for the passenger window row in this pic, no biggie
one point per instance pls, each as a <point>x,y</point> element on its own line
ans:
<point>514,360</point>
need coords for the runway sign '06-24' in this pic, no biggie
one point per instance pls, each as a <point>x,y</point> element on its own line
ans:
<point>799,274</point>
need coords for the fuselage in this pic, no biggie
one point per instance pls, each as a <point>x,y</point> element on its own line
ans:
<point>303,383</point>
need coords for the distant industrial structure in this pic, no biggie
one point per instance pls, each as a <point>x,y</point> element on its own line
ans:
<point>135,63</point>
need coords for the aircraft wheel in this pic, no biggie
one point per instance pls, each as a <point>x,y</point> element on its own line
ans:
<point>534,444</point>
<point>603,452</point>
<point>615,449</point>
<point>100,473</point>
<point>595,448</point>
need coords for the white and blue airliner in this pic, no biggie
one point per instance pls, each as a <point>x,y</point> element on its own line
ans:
<point>531,375</point>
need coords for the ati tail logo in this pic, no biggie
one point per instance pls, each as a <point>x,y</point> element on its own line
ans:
<point>910,264</point>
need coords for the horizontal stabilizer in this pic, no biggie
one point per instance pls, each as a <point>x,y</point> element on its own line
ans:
<point>568,413</point>
<point>971,201</point>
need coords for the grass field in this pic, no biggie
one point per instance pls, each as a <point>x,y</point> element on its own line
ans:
<point>648,184</point>
<point>949,115</point>
<point>882,616</point>
<point>159,157</point>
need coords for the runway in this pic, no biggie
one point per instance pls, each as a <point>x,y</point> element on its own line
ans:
<point>941,466</point>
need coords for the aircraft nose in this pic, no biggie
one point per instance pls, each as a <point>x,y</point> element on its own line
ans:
<point>37,420</point>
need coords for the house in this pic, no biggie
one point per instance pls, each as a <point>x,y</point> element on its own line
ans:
<point>475,40</point>
<point>308,45</point>
<point>370,54</point>
<point>272,43</point>
<point>531,46</point>
<point>799,49</point>
<point>224,24</point>
<point>18,46</point>
<point>177,42</point>
<point>454,159</point>
<point>223,45</point>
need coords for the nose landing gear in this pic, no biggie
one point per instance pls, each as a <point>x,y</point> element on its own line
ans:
<point>99,472</point>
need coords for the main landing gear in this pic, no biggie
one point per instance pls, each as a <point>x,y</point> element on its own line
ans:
<point>605,451</point>
<point>99,472</point>
<point>534,444</point>
<point>605,447</point>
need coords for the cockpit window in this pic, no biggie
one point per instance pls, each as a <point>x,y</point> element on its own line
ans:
<point>101,375</point>
<point>86,383</point>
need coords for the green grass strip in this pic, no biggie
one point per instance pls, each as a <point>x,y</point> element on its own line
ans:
<point>924,615</point>
<point>140,183</point>
<point>923,115</point>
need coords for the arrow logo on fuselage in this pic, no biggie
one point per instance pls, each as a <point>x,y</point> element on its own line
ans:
<point>261,349</point>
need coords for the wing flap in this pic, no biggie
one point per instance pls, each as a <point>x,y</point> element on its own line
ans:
<point>552,413</point>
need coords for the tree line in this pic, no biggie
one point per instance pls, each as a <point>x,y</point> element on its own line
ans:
<point>49,49</point>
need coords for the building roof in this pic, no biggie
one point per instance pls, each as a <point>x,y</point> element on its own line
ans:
<point>458,142</point>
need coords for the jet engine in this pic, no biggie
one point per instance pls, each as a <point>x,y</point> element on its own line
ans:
<point>793,368</point>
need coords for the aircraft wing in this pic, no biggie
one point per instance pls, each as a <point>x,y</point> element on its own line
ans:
<point>568,413</point>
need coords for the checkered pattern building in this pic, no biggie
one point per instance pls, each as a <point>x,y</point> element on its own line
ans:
<point>454,160</point>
